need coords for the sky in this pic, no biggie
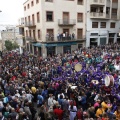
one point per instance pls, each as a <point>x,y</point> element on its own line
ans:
<point>12,10</point>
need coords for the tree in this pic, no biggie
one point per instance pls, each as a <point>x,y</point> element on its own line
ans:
<point>8,45</point>
<point>15,45</point>
<point>11,46</point>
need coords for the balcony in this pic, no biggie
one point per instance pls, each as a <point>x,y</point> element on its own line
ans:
<point>97,15</point>
<point>63,39</point>
<point>114,17</point>
<point>49,39</point>
<point>67,22</point>
<point>30,24</point>
<point>115,5</point>
<point>31,39</point>
<point>97,2</point>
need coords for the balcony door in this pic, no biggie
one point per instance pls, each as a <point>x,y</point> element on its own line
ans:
<point>79,33</point>
<point>50,35</point>
<point>33,19</point>
<point>66,17</point>
<point>66,31</point>
<point>29,19</point>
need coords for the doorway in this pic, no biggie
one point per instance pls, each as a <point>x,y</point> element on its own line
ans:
<point>50,51</point>
<point>66,32</point>
<point>93,42</point>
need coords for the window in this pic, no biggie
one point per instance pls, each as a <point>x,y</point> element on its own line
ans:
<point>25,8</point>
<point>114,11</point>
<point>38,17</point>
<point>94,24</point>
<point>37,1</point>
<point>112,25</point>
<point>103,25</point>
<point>29,33</point>
<point>80,2</point>
<point>32,3</point>
<point>49,16</point>
<point>111,34</point>
<point>28,6</point>
<point>115,1</point>
<point>25,20</point>
<point>79,17</point>
<point>29,19</point>
<point>49,0</point>
<point>94,34</point>
<point>38,34</point>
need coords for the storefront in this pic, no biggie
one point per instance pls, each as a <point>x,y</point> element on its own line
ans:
<point>67,49</point>
<point>51,50</point>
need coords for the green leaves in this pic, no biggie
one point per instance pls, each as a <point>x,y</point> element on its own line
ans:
<point>10,46</point>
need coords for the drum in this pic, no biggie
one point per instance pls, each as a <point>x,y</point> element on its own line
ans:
<point>109,80</point>
<point>73,87</point>
<point>78,67</point>
<point>95,82</point>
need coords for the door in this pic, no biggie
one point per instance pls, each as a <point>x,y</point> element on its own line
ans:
<point>65,17</point>
<point>39,51</point>
<point>66,32</point>
<point>67,49</point>
<point>93,42</point>
<point>79,33</point>
<point>50,51</point>
<point>33,19</point>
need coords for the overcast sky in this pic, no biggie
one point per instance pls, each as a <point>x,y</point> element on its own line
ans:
<point>12,10</point>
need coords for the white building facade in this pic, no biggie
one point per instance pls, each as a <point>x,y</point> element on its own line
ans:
<point>102,22</point>
<point>50,24</point>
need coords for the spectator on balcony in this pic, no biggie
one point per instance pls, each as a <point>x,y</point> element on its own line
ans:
<point>70,37</point>
<point>61,36</point>
<point>47,37</point>
<point>51,37</point>
<point>64,36</point>
<point>73,36</point>
<point>58,37</point>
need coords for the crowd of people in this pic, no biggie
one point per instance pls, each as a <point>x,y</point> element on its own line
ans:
<point>82,85</point>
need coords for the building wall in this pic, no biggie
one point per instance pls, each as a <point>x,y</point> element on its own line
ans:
<point>58,7</point>
<point>102,32</point>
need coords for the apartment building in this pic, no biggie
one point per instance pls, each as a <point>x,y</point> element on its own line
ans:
<point>10,33</point>
<point>54,26</point>
<point>20,38</point>
<point>103,25</point>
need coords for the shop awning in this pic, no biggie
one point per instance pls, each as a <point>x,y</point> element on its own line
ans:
<point>54,44</point>
<point>37,44</point>
<point>60,44</point>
